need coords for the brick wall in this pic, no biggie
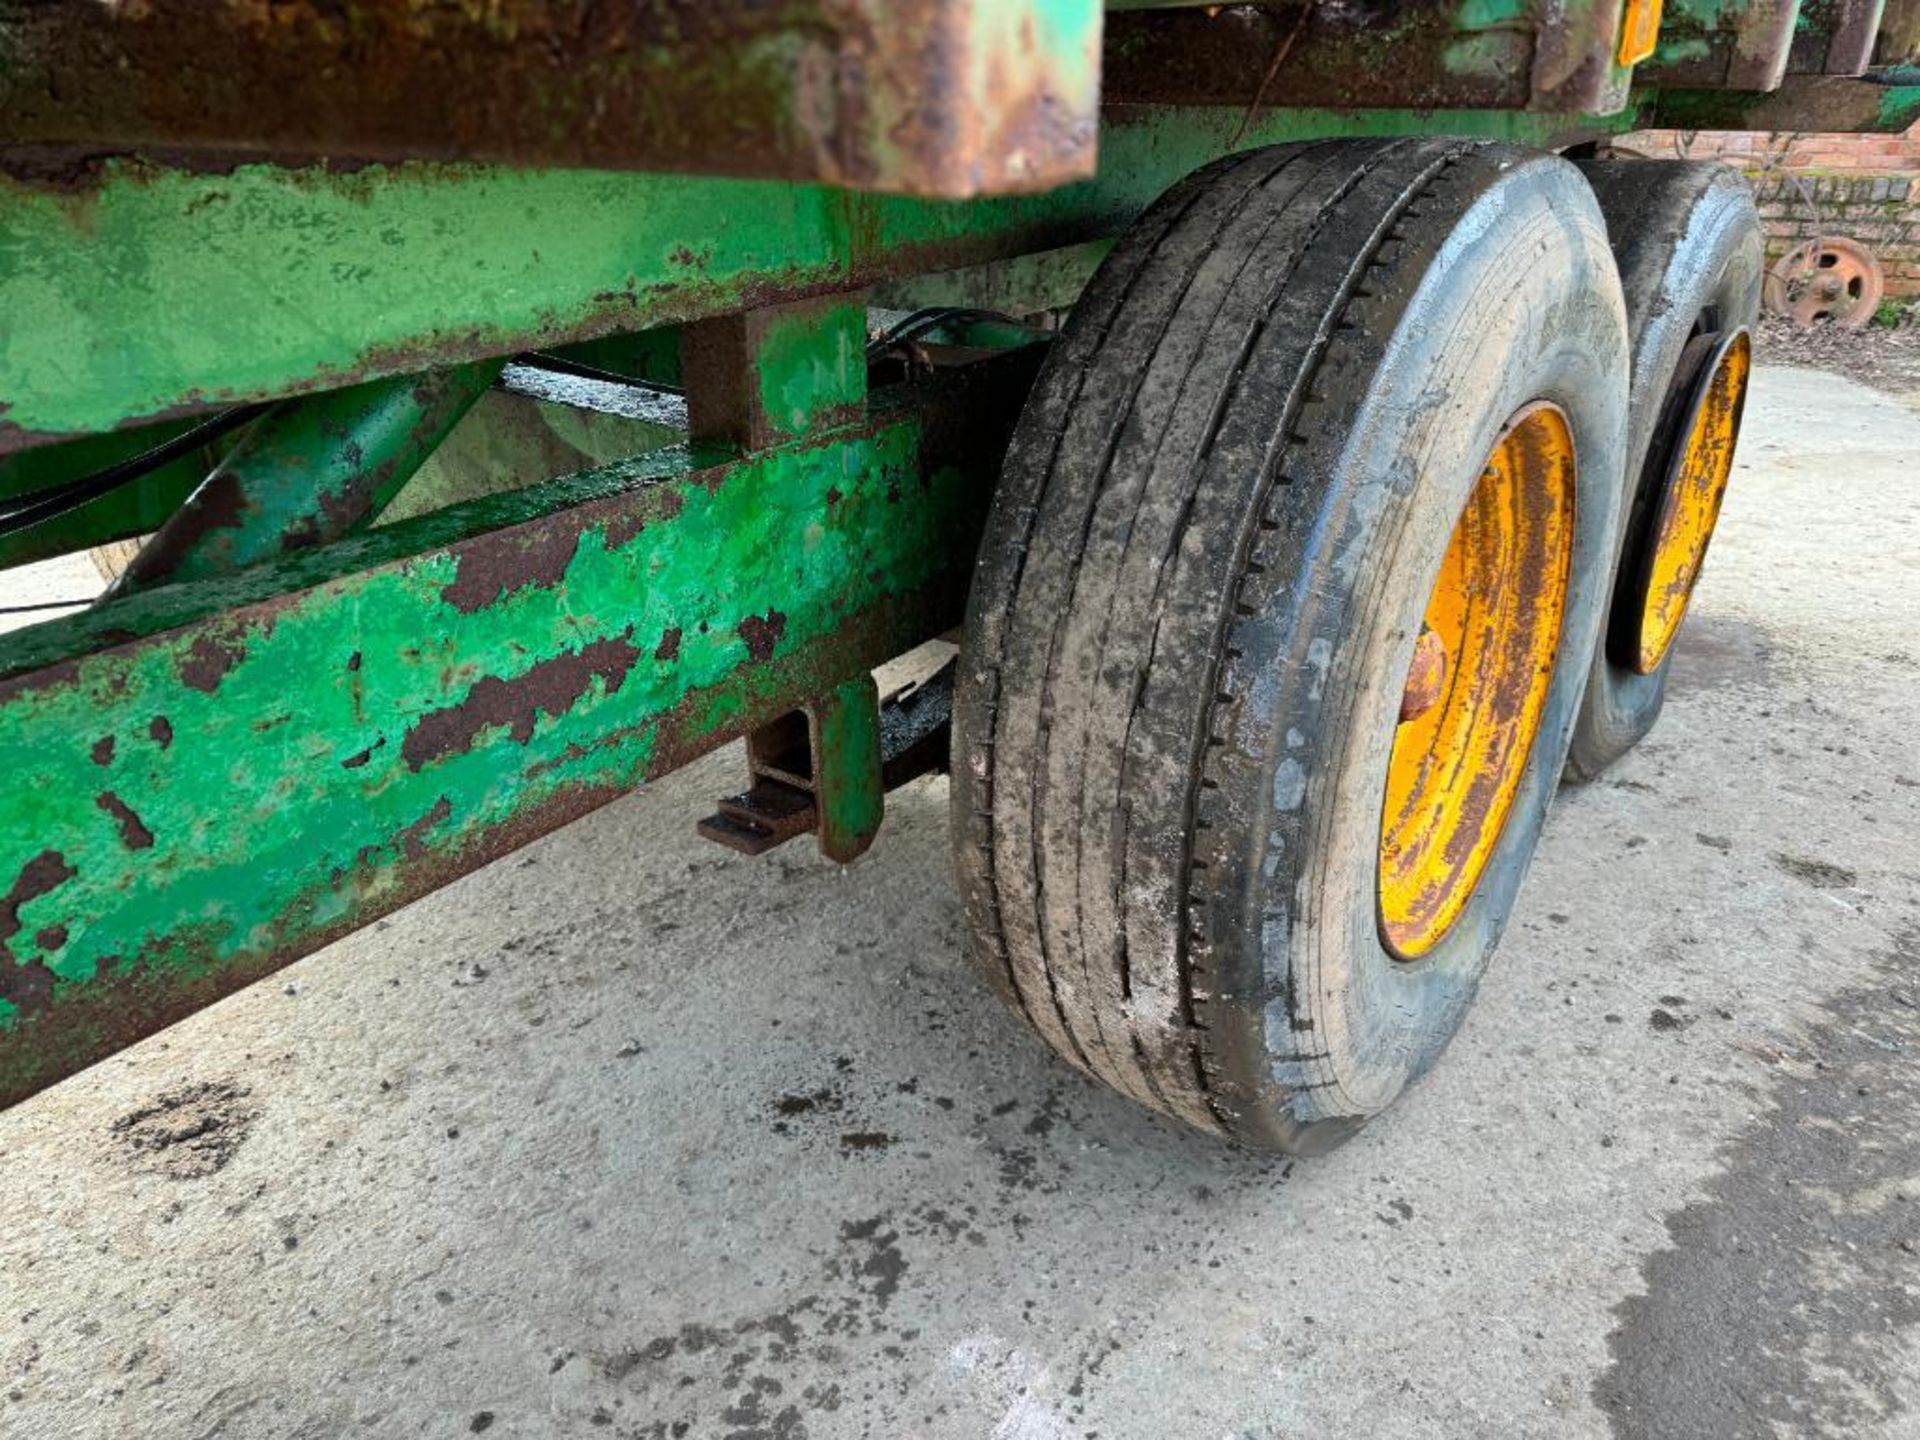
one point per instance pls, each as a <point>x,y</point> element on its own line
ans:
<point>1865,187</point>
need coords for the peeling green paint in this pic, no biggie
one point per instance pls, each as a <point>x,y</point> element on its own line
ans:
<point>230,773</point>
<point>1899,107</point>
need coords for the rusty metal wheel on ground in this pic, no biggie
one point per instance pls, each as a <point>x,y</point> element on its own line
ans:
<point>1688,243</point>
<point>1832,280</point>
<point>1281,620</point>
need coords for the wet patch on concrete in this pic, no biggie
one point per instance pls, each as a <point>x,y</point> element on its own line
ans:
<point>852,1311</point>
<point>187,1132</point>
<point>747,1378</point>
<point>1821,874</point>
<point>1714,651</point>
<point>1792,1292</point>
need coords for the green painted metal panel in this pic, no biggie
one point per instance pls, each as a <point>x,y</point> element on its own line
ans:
<point>1899,106</point>
<point>209,779</point>
<point>147,292</point>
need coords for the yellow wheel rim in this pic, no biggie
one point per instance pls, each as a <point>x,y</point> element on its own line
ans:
<point>1690,505</point>
<point>1478,683</point>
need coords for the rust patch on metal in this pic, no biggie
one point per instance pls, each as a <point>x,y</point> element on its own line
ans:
<point>133,832</point>
<point>622,529</point>
<point>853,94</point>
<point>761,634</point>
<point>207,663</point>
<point>535,558</point>
<point>1426,678</point>
<point>28,986</point>
<point>1340,56</point>
<point>41,875</point>
<point>551,687</point>
<point>412,841</point>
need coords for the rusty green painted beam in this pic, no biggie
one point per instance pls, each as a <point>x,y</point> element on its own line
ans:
<point>1884,103</point>
<point>928,97</point>
<point>775,372</point>
<point>1485,54</point>
<point>138,292</point>
<point>309,471</point>
<point>207,780</point>
<point>1722,44</point>
<point>765,377</point>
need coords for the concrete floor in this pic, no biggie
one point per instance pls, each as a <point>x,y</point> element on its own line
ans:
<point>627,1136</point>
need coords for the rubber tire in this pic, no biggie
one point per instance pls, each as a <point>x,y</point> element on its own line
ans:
<point>1686,239</point>
<point>1197,598</point>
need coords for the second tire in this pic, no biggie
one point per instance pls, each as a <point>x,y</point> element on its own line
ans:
<point>1688,244</point>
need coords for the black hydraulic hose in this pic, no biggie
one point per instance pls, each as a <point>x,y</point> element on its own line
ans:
<point>921,321</point>
<point>39,605</point>
<point>24,511</point>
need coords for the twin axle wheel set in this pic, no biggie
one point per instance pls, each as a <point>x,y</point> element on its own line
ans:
<point>1360,498</point>
<point>1357,501</point>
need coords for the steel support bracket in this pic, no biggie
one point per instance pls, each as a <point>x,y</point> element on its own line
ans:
<point>825,769</point>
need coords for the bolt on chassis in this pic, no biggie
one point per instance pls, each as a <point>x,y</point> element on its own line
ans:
<point>1309,436</point>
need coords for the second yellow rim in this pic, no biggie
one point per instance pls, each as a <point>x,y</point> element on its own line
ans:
<point>1478,685</point>
<point>1696,485</point>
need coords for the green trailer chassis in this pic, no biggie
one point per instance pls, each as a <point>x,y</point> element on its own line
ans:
<point>309,701</point>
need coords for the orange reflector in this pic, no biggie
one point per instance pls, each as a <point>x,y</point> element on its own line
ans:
<point>1639,31</point>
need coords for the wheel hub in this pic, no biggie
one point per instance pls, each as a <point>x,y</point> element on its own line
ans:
<point>1832,280</point>
<point>1477,686</point>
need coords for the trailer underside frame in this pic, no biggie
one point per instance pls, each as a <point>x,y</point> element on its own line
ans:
<point>320,717</point>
